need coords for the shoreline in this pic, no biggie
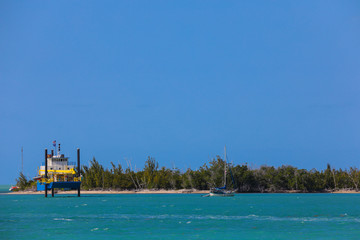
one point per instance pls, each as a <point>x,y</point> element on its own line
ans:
<point>181,191</point>
<point>162,191</point>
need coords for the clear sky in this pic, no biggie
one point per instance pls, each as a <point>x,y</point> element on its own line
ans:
<point>278,82</point>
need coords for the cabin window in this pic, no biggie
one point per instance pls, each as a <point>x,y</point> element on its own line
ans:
<point>51,168</point>
<point>68,168</point>
<point>59,168</point>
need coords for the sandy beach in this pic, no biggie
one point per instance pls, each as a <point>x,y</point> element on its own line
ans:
<point>345,191</point>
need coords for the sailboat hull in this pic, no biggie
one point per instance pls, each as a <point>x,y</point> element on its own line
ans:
<point>216,192</point>
<point>221,194</point>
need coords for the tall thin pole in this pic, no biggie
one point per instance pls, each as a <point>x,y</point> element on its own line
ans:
<point>78,168</point>
<point>225,166</point>
<point>45,172</point>
<point>46,163</point>
<point>78,162</point>
<point>22,160</point>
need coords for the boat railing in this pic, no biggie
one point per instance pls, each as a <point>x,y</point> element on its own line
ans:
<point>46,180</point>
<point>77,179</point>
<point>50,180</point>
<point>69,163</point>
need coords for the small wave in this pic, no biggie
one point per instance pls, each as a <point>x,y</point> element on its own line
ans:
<point>63,219</point>
<point>251,217</point>
<point>94,229</point>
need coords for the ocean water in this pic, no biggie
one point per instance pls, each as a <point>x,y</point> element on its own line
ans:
<point>4,188</point>
<point>180,216</point>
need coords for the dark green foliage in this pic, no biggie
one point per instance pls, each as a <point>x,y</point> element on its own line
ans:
<point>120,180</point>
<point>216,172</point>
<point>23,183</point>
<point>150,173</point>
<point>245,179</point>
<point>94,175</point>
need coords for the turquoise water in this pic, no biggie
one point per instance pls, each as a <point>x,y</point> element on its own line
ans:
<point>181,216</point>
<point>4,188</point>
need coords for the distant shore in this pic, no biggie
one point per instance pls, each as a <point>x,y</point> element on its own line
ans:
<point>188,191</point>
<point>345,191</point>
<point>161,191</point>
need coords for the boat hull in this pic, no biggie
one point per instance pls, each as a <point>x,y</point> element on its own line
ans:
<point>66,185</point>
<point>221,194</point>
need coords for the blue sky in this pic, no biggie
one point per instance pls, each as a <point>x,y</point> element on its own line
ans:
<point>276,81</point>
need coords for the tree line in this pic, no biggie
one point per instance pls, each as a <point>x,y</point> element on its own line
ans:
<point>240,178</point>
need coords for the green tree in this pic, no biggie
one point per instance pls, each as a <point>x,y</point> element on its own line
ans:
<point>150,170</point>
<point>93,175</point>
<point>22,182</point>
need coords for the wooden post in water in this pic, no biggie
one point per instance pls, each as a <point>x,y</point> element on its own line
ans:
<point>78,168</point>
<point>45,172</point>
<point>52,191</point>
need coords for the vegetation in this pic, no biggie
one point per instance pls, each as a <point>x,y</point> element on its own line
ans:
<point>23,183</point>
<point>240,178</point>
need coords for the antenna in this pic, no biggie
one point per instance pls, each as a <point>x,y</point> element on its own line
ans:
<point>22,160</point>
<point>225,166</point>
<point>52,151</point>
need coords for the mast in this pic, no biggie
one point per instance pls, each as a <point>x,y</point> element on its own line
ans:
<point>225,166</point>
<point>52,151</point>
<point>22,160</point>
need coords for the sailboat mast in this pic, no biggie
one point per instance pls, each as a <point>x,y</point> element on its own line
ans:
<point>225,166</point>
<point>22,160</point>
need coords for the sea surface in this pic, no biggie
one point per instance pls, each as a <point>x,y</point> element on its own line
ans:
<point>180,216</point>
<point>4,188</point>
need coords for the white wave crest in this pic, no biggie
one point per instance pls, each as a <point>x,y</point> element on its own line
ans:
<point>63,219</point>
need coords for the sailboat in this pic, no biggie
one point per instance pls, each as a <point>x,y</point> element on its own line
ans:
<point>222,191</point>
